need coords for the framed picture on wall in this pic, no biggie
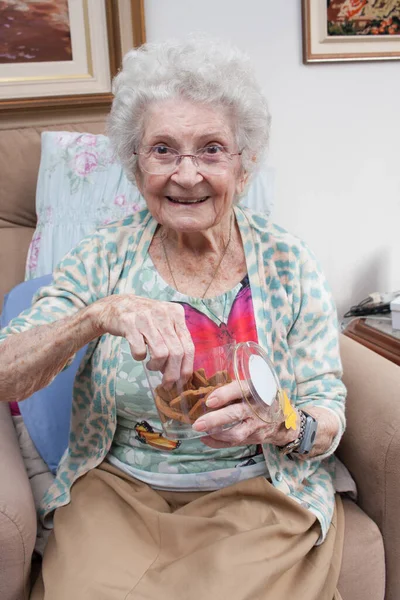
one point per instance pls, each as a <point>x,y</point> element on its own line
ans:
<point>350,30</point>
<point>62,53</point>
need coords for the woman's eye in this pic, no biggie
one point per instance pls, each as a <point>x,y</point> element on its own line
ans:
<point>161,150</point>
<point>212,150</point>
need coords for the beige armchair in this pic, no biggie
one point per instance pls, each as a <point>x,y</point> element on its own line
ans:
<point>370,447</point>
<point>371,451</point>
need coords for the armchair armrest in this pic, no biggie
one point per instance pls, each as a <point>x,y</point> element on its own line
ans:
<point>370,447</point>
<point>17,514</point>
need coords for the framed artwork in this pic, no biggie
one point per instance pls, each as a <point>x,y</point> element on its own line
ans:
<point>64,53</point>
<point>350,30</point>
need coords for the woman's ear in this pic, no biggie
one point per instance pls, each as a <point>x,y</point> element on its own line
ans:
<point>139,180</point>
<point>243,179</point>
<point>241,183</point>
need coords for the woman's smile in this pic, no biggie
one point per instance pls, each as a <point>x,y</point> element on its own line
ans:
<point>187,201</point>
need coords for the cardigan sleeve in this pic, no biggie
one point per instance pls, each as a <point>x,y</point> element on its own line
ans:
<point>314,344</point>
<point>78,280</point>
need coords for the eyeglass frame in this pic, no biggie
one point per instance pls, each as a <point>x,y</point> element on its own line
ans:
<point>179,157</point>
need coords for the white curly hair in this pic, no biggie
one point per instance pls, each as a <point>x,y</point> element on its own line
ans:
<point>200,69</point>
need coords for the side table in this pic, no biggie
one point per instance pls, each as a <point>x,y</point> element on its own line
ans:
<point>378,337</point>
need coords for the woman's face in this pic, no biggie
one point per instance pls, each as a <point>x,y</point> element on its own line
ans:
<point>187,127</point>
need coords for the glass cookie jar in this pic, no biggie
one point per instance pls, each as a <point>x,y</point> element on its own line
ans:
<point>245,365</point>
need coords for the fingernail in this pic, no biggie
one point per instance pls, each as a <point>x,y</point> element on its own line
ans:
<point>211,401</point>
<point>200,425</point>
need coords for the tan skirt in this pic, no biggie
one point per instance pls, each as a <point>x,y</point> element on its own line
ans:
<point>119,539</point>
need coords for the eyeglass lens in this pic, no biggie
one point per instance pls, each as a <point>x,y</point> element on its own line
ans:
<point>163,160</point>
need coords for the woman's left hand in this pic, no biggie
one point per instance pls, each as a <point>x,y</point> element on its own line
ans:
<point>250,429</point>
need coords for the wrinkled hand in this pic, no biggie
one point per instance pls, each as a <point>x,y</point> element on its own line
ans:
<point>157,326</point>
<point>251,429</point>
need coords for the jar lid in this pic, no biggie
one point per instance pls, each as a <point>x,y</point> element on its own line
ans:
<point>258,381</point>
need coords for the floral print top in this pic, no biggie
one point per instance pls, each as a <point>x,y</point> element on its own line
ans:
<point>186,465</point>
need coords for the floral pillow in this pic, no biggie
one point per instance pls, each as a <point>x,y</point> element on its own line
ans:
<point>81,185</point>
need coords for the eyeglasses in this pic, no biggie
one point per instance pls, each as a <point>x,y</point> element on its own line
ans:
<point>162,160</point>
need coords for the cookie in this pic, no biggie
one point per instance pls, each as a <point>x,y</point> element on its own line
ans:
<point>200,407</point>
<point>175,391</point>
<point>199,378</point>
<point>219,378</point>
<point>188,399</point>
<point>166,412</point>
<point>166,395</point>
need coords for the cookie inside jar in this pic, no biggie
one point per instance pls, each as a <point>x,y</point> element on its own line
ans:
<point>188,403</point>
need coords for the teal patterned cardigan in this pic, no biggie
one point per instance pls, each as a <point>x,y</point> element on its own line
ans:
<point>296,324</point>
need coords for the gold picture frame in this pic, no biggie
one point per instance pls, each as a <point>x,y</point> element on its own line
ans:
<point>102,30</point>
<point>350,30</point>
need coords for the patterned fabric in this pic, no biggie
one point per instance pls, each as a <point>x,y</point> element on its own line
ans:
<point>234,326</point>
<point>296,325</point>
<point>81,186</point>
<point>187,465</point>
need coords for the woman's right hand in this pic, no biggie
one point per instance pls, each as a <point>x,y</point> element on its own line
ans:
<point>157,326</point>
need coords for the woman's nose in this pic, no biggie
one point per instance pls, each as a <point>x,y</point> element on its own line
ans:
<point>186,173</point>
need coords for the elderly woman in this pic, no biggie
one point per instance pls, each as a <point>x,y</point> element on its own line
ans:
<point>245,512</point>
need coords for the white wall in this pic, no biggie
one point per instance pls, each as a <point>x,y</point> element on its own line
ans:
<point>335,138</point>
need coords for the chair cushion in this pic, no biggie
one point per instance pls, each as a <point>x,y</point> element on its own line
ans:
<point>362,575</point>
<point>80,186</point>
